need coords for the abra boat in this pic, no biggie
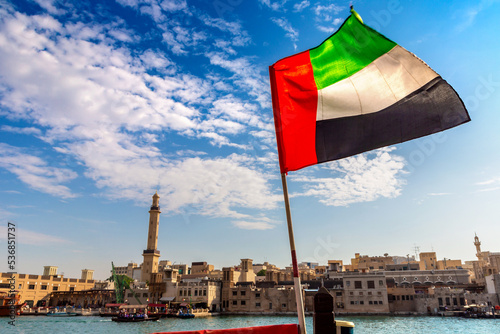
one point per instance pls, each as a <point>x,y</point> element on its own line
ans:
<point>135,318</point>
<point>10,304</point>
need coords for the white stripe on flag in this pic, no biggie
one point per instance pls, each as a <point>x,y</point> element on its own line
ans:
<point>382,83</point>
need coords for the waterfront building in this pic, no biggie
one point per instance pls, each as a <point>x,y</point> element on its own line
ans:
<point>35,288</point>
<point>430,277</point>
<point>365,292</point>
<point>151,254</point>
<point>85,298</point>
<point>200,293</point>
<point>248,298</point>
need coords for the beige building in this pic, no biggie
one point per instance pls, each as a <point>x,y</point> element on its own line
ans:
<point>449,264</point>
<point>246,298</point>
<point>428,261</point>
<point>34,288</point>
<point>365,293</point>
<point>200,294</point>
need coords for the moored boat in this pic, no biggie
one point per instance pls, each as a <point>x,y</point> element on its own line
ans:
<point>135,318</point>
<point>10,304</point>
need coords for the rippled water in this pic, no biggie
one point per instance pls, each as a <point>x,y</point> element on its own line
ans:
<point>364,325</point>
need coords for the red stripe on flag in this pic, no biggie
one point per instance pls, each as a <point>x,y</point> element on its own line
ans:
<point>295,99</point>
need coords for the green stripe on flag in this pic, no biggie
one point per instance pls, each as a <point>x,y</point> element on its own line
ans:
<point>349,50</point>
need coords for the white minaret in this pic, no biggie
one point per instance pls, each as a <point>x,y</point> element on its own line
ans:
<point>151,254</point>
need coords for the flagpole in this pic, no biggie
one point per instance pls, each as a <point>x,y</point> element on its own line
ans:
<point>296,277</point>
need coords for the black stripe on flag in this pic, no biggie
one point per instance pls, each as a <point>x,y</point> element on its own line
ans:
<point>432,108</point>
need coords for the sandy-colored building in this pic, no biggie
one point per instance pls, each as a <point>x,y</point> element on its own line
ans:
<point>365,293</point>
<point>200,294</point>
<point>428,260</point>
<point>34,288</point>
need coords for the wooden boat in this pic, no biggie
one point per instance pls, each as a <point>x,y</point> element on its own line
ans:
<point>10,304</point>
<point>135,318</point>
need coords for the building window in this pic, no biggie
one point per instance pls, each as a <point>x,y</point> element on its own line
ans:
<point>270,306</point>
<point>283,305</point>
<point>338,294</point>
<point>371,284</point>
<point>44,287</point>
<point>20,286</point>
<point>361,293</point>
<point>243,302</point>
<point>129,294</point>
<point>358,285</point>
<point>257,295</point>
<point>243,293</point>
<point>352,302</point>
<point>379,293</point>
<point>447,301</point>
<point>31,287</point>
<point>145,295</point>
<point>235,302</point>
<point>370,302</point>
<point>351,293</point>
<point>257,304</point>
<point>369,293</point>
<point>71,289</point>
<point>55,288</point>
<point>204,292</point>
<point>348,283</point>
<point>381,283</point>
<point>235,293</point>
<point>189,292</point>
<point>361,302</point>
<point>380,302</point>
<point>196,292</point>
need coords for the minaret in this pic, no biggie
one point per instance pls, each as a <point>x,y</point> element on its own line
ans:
<point>477,243</point>
<point>151,254</point>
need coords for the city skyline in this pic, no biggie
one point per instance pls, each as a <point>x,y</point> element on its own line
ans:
<point>102,105</point>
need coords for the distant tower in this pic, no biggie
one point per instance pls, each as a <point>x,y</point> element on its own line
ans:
<point>49,271</point>
<point>151,254</point>
<point>477,243</point>
<point>87,274</point>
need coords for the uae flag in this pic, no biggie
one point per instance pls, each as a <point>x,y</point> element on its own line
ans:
<point>355,92</point>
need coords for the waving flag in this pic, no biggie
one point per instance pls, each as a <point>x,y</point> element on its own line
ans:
<point>355,92</point>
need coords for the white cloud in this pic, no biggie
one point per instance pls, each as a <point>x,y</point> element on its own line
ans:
<point>28,237</point>
<point>35,172</point>
<point>253,225</point>
<point>298,7</point>
<point>49,6</point>
<point>291,33</point>
<point>245,76</point>
<point>364,178</point>
<point>24,131</point>
<point>276,5</point>
<point>105,107</point>
<point>325,17</point>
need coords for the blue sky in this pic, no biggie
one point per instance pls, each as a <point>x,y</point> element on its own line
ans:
<point>103,103</point>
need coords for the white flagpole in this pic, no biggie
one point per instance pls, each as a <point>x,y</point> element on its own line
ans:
<point>296,277</point>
